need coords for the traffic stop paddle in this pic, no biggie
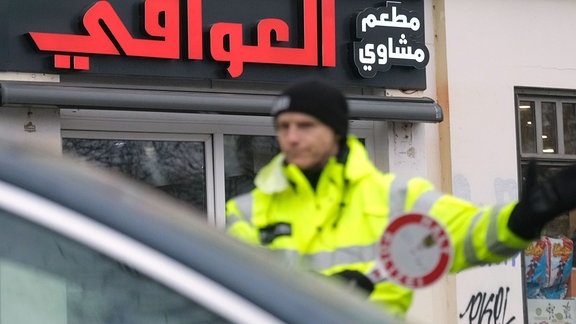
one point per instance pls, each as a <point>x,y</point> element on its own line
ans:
<point>414,251</point>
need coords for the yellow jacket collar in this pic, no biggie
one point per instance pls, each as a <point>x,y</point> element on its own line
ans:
<point>272,178</point>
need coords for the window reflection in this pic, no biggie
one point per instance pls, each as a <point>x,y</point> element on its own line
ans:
<point>547,133</point>
<point>47,278</point>
<point>569,125</point>
<point>175,167</point>
<point>549,128</point>
<point>527,126</point>
<point>549,260</point>
<point>244,155</point>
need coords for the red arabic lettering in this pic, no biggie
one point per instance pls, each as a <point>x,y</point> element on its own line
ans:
<point>238,53</point>
<point>107,35</point>
<point>98,42</point>
<point>328,33</point>
<point>195,47</point>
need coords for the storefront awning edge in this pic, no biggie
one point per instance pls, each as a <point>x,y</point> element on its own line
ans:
<point>86,97</point>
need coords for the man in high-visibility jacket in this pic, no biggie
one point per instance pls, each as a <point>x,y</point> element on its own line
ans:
<point>323,205</point>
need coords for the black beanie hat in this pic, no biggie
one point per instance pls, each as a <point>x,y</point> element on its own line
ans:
<point>318,99</point>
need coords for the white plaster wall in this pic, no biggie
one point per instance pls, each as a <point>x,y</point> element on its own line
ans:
<point>416,153</point>
<point>493,46</point>
<point>414,147</point>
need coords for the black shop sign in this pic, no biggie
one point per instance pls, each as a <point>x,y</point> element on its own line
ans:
<point>353,42</point>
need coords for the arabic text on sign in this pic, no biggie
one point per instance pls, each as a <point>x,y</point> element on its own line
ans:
<point>382,46</point>
<point>161,21</point>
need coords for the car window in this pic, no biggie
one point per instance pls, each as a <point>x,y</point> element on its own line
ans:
<point>48,278</point>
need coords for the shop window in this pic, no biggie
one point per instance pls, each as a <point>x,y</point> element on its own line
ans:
<point>175,167</point>
<point>203,159</point>
<point>547,134</point>
<point>244,155</point>
<point>547,127</point>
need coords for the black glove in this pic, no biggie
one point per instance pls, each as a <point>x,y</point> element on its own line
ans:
<point>355,279</point>
<point>540,203</point>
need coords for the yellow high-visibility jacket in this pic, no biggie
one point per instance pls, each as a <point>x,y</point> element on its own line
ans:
<point>338,226</point>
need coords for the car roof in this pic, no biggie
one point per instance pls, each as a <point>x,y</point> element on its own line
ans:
<point>180,232</point>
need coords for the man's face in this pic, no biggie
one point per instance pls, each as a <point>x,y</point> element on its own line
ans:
<point>305,141</point>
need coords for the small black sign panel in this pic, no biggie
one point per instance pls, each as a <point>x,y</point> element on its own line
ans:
<point>390,35</point>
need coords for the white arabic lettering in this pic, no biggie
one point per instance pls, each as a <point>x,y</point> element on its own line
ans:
<point>400,21</point>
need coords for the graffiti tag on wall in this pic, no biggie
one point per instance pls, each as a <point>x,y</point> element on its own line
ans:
<point>488,308</point>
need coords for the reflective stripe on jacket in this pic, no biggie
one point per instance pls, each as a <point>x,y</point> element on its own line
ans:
<point>338,226</point>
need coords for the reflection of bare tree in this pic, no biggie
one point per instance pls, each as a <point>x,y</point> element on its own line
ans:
<point>245,155</point>
<point>178,168</point>
<point>569,113</point>
<point>174,167</point>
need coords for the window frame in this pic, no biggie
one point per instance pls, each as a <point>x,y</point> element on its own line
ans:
<point>142,136</point>
<point>100,123</point>
<point>546,162</point>
<point>561,155</point>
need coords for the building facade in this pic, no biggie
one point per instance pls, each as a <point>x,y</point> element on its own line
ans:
<point>436,89</point>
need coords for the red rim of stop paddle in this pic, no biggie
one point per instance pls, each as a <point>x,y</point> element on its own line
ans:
<point>394,268</point>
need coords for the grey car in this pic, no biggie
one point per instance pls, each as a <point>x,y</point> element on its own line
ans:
<point>84,245</point>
